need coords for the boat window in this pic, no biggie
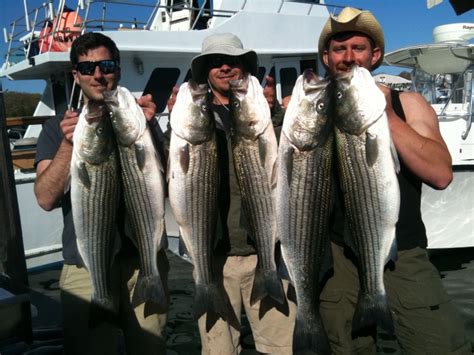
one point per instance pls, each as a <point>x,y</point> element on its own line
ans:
<point>261,74</point>
<point>188,76</point>
<point>160,84</point>
<point>309,64</point>
<point>288,78</point>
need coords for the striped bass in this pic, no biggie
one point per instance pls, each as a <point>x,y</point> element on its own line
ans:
<point>368,166</point>
<point>95,192</point>
<point>193,186</point>
<point>254,151</point>
<point>304,186</point>
<point>144,190</point>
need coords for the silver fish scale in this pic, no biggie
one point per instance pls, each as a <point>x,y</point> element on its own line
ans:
<point>201,185</point>
<point>309,209</point>
<point>141,209</point>
<point>256,197</point>
<point>365,200</point>
<point>98,223</point>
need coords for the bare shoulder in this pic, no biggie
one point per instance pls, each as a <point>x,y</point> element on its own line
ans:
<point>419,114</point>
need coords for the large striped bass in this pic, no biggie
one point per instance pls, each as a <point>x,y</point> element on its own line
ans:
<point>95,191</point>
<point>303,203</point>
<point>144,190</point>
<point>368,166</point>
<point>193,186</point>
<point>254,151</point>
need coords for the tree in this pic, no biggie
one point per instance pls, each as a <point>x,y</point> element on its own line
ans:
<point>19,104</point>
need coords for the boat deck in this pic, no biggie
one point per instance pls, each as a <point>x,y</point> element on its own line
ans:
<point>456,267</point>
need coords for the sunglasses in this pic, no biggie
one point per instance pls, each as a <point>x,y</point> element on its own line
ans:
<point>219,61</point>
<point>107,66</point>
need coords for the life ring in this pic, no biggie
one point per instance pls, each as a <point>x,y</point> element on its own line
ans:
<point>65,34</point>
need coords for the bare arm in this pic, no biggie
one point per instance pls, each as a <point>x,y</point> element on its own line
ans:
<point>52,175</point>
<point>418,140</point>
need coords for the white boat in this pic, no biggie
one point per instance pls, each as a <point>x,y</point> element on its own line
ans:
<point>157,40</point>
<point>444,73</point>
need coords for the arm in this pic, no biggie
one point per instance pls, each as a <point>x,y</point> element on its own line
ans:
<point>52,175</point>
<point>418,140</point>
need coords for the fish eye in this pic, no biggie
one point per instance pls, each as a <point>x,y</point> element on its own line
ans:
<point>320,106</point>
<point>99,130</point>
<point>204,108</point>
<point>236,104</point>
<point>339,95</point>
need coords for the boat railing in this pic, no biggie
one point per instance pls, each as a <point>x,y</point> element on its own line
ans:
<point>47,28</point>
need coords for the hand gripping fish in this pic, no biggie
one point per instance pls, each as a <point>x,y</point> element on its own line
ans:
<point>304,183</point>
<point>193,186</point>
<point>254,151</point>
<point>368,166</point>
<point>95,192</point>
<point>144,190</point>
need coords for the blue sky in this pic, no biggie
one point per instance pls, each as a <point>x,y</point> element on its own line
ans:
<point>405,22</point>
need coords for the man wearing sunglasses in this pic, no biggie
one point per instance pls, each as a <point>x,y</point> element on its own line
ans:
<point>223,59</point>
<point>96,68</point>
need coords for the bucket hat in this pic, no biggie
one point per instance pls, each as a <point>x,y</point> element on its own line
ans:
<point>353,20</point>
<point>223,44</point>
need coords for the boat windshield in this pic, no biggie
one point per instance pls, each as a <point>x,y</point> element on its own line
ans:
<point>444,89</point>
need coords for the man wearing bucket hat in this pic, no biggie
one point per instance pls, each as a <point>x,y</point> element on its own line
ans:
<point>223,58</point>
<point>425,320</point>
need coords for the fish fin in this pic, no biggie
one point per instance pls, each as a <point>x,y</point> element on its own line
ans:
<point>262,151</point>
<point>371,310</point>
<point>184,158</point>
<point>149,289</point>
<point>283,269</point>
<point>371,149</point>
<point>393,252</point>
<point>396,161</point>
<point>268,303</point>
<point>84,175</point>
<point>309,334</point>
<point>213,301</point>
<point>182,247</point>
<point>140,155</point>
<point>266,283</point>
<point>291,294</point>
<point>289,164</point>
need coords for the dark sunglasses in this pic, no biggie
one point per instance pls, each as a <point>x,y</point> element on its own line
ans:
<point>108,66</point>
<point>219,61</point>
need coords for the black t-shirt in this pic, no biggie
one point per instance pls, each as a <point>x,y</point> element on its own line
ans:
<point>48,144</point>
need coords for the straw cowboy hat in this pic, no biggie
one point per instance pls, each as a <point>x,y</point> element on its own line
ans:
<point>222,44</point>
<point>353,20</point>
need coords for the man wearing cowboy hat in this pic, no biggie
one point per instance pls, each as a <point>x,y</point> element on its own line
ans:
<point>223,58</point>
<point>425,320</point>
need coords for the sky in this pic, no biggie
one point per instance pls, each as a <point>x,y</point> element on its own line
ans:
<point>405,23</point>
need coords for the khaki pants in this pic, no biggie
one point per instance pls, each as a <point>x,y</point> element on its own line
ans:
<point>143,335</point>
<point>425,320</point>
<point>273,334</point>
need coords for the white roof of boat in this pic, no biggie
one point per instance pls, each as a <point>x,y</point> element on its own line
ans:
<point>439,58</point>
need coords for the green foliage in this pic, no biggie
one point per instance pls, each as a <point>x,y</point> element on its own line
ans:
<point>19,104</point>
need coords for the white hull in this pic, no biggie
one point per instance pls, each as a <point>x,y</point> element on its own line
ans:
<point>449,214</point>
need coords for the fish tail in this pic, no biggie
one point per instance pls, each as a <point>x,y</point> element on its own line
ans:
<point>373,309</point>
<point>149,288</point>
<point>309,335</point>
<point>211,300</point>
<point>267,283</point>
